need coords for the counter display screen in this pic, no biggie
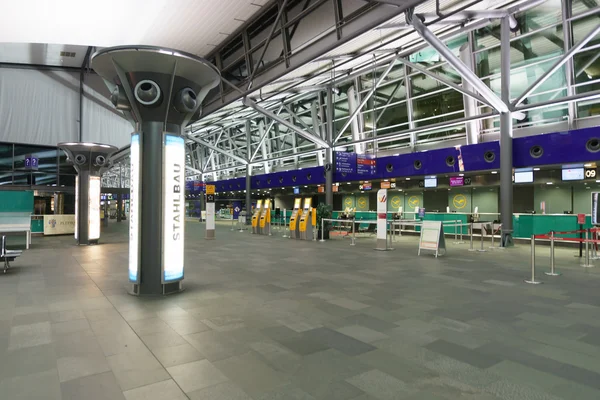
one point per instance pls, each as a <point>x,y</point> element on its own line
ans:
<point>457,181</point>
<point>524,177</point>
<point>174,207</point>
<point>430,182</point>
<point>134,207</point>
<point>296,190</point>
<point>572,174</point>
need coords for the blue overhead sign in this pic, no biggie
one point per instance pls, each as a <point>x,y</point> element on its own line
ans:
<point>366,164</point>
<point>345,163</point>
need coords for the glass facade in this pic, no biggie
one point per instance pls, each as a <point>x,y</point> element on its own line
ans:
<point>51,169</point>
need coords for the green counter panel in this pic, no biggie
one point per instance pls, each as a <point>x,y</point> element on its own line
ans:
<point>525,225</point>
<point>37,226</point>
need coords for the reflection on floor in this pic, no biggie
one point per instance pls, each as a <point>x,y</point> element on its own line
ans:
<point>272,318</point>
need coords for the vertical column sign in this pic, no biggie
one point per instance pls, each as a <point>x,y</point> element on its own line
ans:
<point>94,208</point>
<point>173,207</point>
<point>134,208</point>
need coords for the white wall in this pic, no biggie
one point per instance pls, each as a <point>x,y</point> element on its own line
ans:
<point>42,107</point>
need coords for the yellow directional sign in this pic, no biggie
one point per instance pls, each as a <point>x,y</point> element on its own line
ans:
<point>210,189</point>
<point>413,201</point>
<point>459,201</point>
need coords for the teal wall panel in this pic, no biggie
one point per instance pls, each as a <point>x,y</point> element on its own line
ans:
<point>486,199</point>
<point>459,200</point>
<point>557,197</point>
<point>16,201</point>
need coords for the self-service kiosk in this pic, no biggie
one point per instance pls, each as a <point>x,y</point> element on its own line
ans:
<point>308,220</point>
<point>295,218</point>
<point>256,216</point>
<point>265,218</point>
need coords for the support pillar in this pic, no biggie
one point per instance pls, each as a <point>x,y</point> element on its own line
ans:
<point>90,161</point>
<point>248,196</point>
<point>506,156</point>
<point>329,151</point>
<point>119,206</point>
<point>159,90</point>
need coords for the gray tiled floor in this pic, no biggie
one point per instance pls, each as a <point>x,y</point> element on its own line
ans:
<point>272,318</point>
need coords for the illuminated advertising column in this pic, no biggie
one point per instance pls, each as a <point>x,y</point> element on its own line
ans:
<point>160,91</point>
<point>382,220</point>
<point>90,161</point>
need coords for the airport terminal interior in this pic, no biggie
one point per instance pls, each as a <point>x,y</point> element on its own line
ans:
<point>300,199</point>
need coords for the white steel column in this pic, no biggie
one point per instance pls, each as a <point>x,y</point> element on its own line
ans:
<point>470,105</point>
<point>356,126</point>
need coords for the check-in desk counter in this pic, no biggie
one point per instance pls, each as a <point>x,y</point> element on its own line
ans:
<point>525,225</point>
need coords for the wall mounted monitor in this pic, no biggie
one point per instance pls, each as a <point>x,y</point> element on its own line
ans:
<point>573,174</point>
<point>296,190</point>
<point>524,177</point>
<point>430,182</point>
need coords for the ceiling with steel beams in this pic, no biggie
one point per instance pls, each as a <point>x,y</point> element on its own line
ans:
<point>392,92</point>
<point>58,33</point>
<point>389,77</point>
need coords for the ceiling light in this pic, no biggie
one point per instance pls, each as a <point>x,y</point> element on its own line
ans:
<point>461,174</point>
<point>348,183</point>
<point>494,172</point>
<point>548,183</point>
<point>536,169</point>
<point>408,179</point>
<point>588,165</point>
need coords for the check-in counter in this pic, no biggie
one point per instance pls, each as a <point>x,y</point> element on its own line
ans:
<point>525,225</point>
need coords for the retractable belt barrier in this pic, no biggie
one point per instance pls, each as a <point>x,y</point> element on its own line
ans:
<point>553,238</point>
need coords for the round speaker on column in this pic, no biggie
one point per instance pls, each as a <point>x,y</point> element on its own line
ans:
<point>80,159</point>
<point>147,92</point>
<point>489,156</point>
<point>185,101</point>
<point>536,151</point>
<point>417,164</point>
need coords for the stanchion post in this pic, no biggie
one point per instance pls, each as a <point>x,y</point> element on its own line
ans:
<point>533,281</point>
<point>353,239</point>
<point>285,235</point>
<point>552,262</point>
<point>322,230</point>
<point>232,223</point>
<point>587,250</point>
<point>471,239</point>
<point>481,235</point>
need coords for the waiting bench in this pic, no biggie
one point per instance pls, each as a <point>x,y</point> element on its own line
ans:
<point>8,255</point>
<point>11,222</point>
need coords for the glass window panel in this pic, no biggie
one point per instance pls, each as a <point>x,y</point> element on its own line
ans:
<point>6,178</point>
<point>583,26</point>
<point>587,71</point>
<point>42,179</point>
<point>588,108</point>
<point>6,161</point>
<point>391,117</point>
<point>46,157</point>
<point>444,106</point>
<point>581,6</point>
<point>22,178</point>
<point>67,180</point>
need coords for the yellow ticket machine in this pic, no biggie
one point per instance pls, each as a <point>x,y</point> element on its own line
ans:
<point>256,216</point>
<point>295,218</point>
<point>306,220</point>
<point>265,218</point>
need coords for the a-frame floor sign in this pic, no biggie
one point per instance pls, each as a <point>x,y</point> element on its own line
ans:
<point>432,238</point>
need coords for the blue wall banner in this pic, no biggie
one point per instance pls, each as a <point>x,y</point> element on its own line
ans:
<point>345,163</point>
